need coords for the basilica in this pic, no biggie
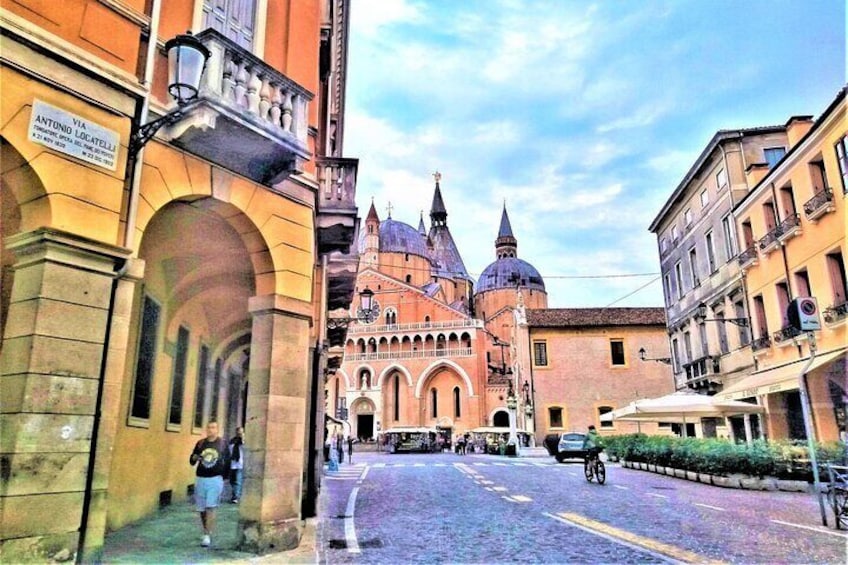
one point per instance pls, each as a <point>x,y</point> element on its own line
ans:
<point>434,349</point>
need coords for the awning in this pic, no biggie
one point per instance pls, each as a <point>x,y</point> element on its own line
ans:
<point>776,379</point>
<point>681,406</point>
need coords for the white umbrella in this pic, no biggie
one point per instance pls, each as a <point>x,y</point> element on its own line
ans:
<point>679,406</point>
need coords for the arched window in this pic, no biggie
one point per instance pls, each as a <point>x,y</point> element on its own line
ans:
<point>457,409</point>
<point>365,379</point>
<point>409,278</point>
<point>426,319</point>
<point>434,401</point>
<point>396,393</point>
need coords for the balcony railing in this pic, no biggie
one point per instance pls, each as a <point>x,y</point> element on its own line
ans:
<point>392,355</point>
<point>702,367</point>
<point>770,241</point>
<point>820,204</point>
<point>393,328</point>
<point>761,343</point>
<point>748,257</point>
<point>337,221</point>
<point>789,228</point>
<point>248,117</point>
<point>785,334</point>
<point>835,313</point>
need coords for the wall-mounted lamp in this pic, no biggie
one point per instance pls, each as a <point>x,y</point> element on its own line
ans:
<point>701,315</point>
<point>187,58</point>
<point>643,357</point>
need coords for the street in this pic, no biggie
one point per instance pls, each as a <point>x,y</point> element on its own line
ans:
<point>405,508</point>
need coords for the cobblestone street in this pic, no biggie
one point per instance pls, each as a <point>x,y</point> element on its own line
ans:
<point>485,509</point>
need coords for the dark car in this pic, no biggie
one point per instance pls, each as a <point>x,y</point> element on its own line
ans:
<point>570,446</point>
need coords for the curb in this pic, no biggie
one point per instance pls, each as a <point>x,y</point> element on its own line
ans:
<point>735,481</point>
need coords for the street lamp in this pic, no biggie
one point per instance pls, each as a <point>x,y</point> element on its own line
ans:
<point>187,58</point>
<point>643,357</point>
<point>701,315</point>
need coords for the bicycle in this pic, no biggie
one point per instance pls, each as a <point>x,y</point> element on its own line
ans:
<point>837,494</point>
<point>593,467</point>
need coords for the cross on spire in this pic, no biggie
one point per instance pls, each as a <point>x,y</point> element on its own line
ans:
<point>389,209</point>
<point>437,176</point>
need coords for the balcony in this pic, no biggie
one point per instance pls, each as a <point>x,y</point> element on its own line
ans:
<point>761,344</point>
<point>248,117</point>
<point>789,228</point>
<point>819,205</point>
<point>699,371</point>
<point>469,324</point>
<point>770,241</point>
<point>785,335</point>
<point>395,355</point>
<point>748,258</point>
<point>836,313</point>
<point>336,221</point>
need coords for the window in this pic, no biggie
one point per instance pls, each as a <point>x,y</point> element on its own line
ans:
<point>818,175</point>
<point>216,389</point>
<point>721,327</point>
<point>675,352</point>
<point>693,267</point>
<point>663,244</point>
<point>200,394</point>
<point>773,154</point>
<point>729,237</point>
<point>396,394</point>
<point>783,299</point>
<point>687,216</point>
<point>842,160</point>
<point>540,353</point>
<point>721,179</point>
<point>678,278</point>
<point>675,234</point>
<point>667,289</point>
<point>555,416</point>
<point>739,312</point>
<point>769,215</point>
<point>175,413</point>
<point>617,351</point>
<point>760,309</point>
<point>711,258</point>
<point>457,407</point>
<point>705,198</point>
<point>604,410</point>
<point>702,335</point>
<point>802,282</point>
<point>233,18</point>
<point>787,199</point>
<point>747,234</point>
<point>408,278</point>
<point>836,270</point>
<point>687,344</point>
<point>143,385</point>
<point>434,403</point>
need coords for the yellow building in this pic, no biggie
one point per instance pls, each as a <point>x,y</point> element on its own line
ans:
<point>147,289</point>
<point>792,236</point>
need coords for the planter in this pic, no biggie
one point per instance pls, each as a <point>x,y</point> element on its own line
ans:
<point>751,483</point>
<point>652,468</point>
<point>793,486</point>
<point>768,483</point>
<point>727,482</point>
<point>660,469</point>
<point>692,476</point>
<point>680,473</point>
<point>643,466</point>
<point>705,478</point>
<point>669,471</point>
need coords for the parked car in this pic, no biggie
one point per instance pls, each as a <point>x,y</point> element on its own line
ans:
<point>570,446</point>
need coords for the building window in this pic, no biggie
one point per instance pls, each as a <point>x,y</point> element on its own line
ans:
<point>783,298</point>
<point>233,18</point>
<point>434,403</point>
<point>711,257</point>
<point>802,282</point>
<point>836,270</point>
<point>200,395</point>
<point>760,310</point>
<point>693,267</point>
<point>540,353</point>
<point>408,278</point>
<point>729,239</point>
<point>721,327</point>
<point>396,393</point>
<point>604,410</point>
<point>555,416</point>
<point>787,199</point>
<point>675,234</point>
<point>769,215</point>
<point>747,234</point>
<point>617,352</point>
<point>143,384</point>
<point>739,312</point>
<point>216,389</point>
<point>687,346</point>
<point>687,216</point>
<point>773,155</point>
<point>675,353</point>
<point>702,335</point>
<point>842,159</point>
<point>721,179</point>
<point>457,405</point>
<point>663,244</point>
<point>678,278</point>
<point>667,289</point>
<point>705,198</point>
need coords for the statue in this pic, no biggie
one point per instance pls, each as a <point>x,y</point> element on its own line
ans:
<point>364,381</point>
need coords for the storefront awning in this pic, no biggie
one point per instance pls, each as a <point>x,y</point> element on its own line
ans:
<point>775,379</point>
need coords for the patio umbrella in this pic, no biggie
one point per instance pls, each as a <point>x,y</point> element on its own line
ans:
<point>678,407</point>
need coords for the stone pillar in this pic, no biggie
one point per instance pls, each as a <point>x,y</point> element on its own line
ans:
<point>50,367</point>
<point>748,433</point>
<point>277,403</point>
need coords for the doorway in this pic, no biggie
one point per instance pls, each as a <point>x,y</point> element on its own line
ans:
<point>501,419</point>
<point>365,426</point>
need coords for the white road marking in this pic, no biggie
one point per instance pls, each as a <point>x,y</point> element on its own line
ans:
<point>399,465</point>
<point>811,528</point>
<point>418,465</point>
<point>499,489</point>
<point>572,473</point>
<point>441,464</point>
<point>481,464</point>
<point>500,464</point>
<point>520,464</point>
<point>487,482</point>
<point>621,487</point>
<point>378,465</point>
<point>521,498</point>
<point>350,529</point>
<point>364,474</point>
<point>342,478</point>
<point>656,495</point>
<point>490,489</point>
<point>710,507</point>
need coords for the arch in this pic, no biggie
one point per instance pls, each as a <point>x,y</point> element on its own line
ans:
<point>390,369</point>
<point>383,345</point>
<point>440,364</point>
<point>22,184</point>
<point>358,371</point>
<point>360,345</point>
<point>345,376</point>
<point>363,400</point>
<point>500,415</point>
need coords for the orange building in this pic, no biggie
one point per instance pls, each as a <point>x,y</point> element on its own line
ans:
<point>156,278</point>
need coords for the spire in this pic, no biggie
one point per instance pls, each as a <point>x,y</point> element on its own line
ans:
<point>421,228</point>
<point>372,213</point>
<point>505,245</point>
<point>438,212</point>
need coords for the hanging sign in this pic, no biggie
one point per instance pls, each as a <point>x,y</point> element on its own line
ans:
<point>73,135</point>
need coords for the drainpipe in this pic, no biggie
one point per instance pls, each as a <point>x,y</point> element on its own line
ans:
<point>134,175</point>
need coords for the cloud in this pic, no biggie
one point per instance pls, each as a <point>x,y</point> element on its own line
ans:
<point>370,17</point>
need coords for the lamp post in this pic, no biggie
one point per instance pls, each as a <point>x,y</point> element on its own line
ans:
<point>643,356</point>
<point>187,58</point>
<point>512,409</point>
<point>701,315</point>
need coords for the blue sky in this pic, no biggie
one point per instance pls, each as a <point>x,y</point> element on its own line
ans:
<point>584,116</point>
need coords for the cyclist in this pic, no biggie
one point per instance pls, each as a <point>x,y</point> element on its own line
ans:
<point>593,444</point>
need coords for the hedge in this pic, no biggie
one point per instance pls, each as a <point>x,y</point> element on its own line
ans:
<point>782,459</point>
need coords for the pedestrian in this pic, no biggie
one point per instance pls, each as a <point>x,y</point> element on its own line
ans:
<point>211,455</point>
<point>340,447</point>
<point>237,459</point>
<point>350,449</point>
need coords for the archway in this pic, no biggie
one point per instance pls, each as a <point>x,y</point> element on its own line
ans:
<point>362,419</point>
<point>500,419</point>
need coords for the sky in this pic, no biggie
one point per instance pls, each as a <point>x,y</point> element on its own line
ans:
<point>582,116</point>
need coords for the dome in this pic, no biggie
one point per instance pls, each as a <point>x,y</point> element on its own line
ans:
<point>506,272</point>
<point>398,237</point>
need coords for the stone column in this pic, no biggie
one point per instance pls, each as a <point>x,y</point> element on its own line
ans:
<point>276,423</point>
<point>50,369</point>
<point>748,433</point>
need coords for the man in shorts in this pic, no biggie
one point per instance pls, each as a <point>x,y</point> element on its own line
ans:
<point>212,457</point>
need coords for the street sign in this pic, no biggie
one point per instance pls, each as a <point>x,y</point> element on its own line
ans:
<point>803,314</point>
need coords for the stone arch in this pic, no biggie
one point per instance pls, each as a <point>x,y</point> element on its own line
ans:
<point>496,413</point>
<point>355,385</point>
<point>345,376</point>
<point>387,372</point>
<point>23,190</point>
<point>441,364</point>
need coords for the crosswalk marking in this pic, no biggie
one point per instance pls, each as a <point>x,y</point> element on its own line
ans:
<point>657,495</point>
